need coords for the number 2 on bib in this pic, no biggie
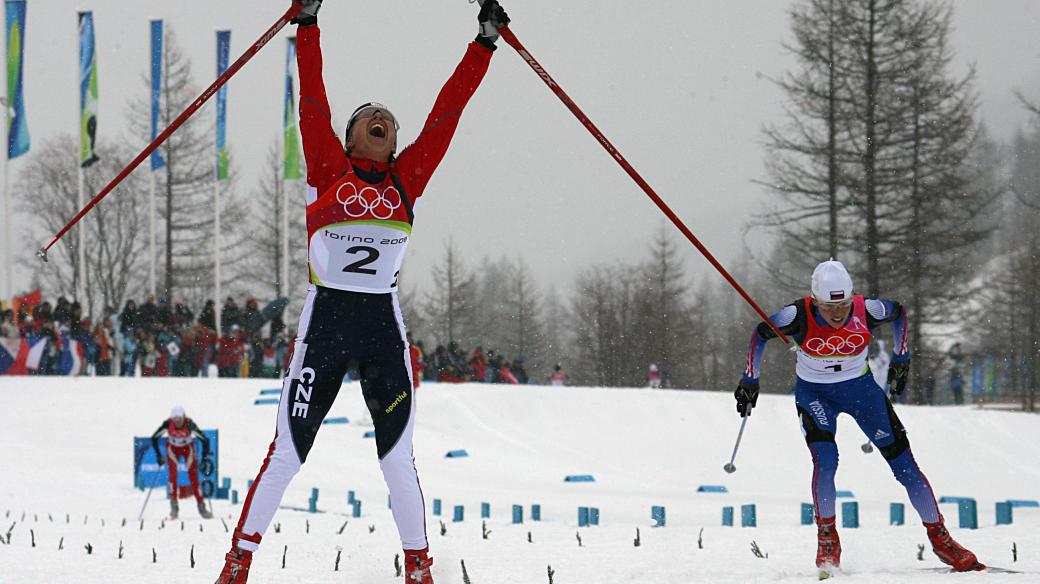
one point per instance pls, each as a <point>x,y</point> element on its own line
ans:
<point>358,267</point>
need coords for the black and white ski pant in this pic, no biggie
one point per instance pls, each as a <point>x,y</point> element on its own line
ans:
<point>339,329</point>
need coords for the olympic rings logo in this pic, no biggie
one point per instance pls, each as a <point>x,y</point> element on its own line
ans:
<point>844,346</point>
<point>380,205</point>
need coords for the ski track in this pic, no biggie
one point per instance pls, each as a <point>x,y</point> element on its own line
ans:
<point>69,451</point>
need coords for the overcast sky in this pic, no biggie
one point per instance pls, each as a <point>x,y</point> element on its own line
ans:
<point>681,88</point>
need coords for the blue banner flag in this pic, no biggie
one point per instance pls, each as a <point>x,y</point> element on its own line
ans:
<point>292,135</point>
<point>88,90</point>
<point>17,130</point>
<point>157,69</point>
<point>223,47</point>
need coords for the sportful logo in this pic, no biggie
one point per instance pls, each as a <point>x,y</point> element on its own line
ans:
<point>370,201</point>
<point>836,345</point>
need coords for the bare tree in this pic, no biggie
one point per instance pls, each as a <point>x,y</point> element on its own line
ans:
<point>450,306</point>
<point>187,188</point>
<point>265,244</point>
<point>116,228</point>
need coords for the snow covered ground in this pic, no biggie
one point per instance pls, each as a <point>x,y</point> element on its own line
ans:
<point>66,464</point>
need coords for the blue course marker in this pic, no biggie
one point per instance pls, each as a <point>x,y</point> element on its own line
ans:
<point>351,496</point>
<point>536,512</point>
<point>896,514</point>
<point>967,511</point>
<point>583,516</point>
<point>518,514</point>
<point>272,391</point>
<point>808,514</point>
<point>356,508</point>
<point>748,516</point>
<point>456,454</point>
<point>1023,503</point>
<point>579,479</point>
<point>369,434</point>
<point>844,495</point>
<point>485,510</point>
<point>265,401</point>
<point>459,514</point>
<point>1005,515</point>
<point>234,497</point>
<point>337,421</point>
<point>727,516</point>
<point>437,507</point>
<point>593,515</point>
<point>657,514</point>
<point>712,489</point>
<point>850,514</point>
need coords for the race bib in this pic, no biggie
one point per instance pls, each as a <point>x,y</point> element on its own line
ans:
<point>360,256</point>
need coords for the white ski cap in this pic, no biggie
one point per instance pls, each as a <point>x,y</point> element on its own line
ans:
<point>831,282</point>
<point>177,412</point>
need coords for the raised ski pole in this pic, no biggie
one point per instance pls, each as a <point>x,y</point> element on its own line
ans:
<point>284,19</point>
<point>510,38</point>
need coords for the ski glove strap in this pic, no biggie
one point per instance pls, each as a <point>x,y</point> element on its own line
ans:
<point>747,397</point>
<point>309,15</point>
<point>898,373</point>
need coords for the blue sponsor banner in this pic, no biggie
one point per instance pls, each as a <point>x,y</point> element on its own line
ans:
<point>157,63</point>
<point>18,130</point>
<point>223,47</point>
<point>88,89</point>
<point>146,467</point>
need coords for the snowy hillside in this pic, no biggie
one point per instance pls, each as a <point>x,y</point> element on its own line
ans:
<point>67,449</point>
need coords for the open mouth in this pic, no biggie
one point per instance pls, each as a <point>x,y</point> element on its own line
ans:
<point>378,130</point>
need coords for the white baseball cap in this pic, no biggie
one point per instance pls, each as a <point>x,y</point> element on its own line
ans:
<point>177,412</point>
<point>831,282</point>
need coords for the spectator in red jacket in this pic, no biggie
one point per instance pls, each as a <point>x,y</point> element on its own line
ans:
<point>229,353</point>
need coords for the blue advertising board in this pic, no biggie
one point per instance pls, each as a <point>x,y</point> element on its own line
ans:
<point>146,467</point>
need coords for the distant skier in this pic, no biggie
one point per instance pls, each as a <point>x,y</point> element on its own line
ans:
<point>833,328</point>
<point>181,433</point>
<point>359,223</point>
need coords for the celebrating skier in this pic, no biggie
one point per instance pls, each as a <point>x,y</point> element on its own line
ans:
<point>359,222</point>
<point>181,433</point>
<point>833,328</point>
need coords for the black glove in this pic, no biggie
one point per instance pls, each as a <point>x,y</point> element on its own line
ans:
<point>747,397</point>
<point>491,18</point>
<point>160,459</point>
<point>309,15</point>
<point>898,373</point>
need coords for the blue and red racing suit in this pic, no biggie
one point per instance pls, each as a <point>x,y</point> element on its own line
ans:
<point>833,377</point>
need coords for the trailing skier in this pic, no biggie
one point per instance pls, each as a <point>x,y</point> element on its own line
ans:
<point>181,432</point>
<point>833,328</point>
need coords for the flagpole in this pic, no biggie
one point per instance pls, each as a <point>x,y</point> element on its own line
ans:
<point>8,291</point>
<point>216,251</point>
<point>80,241</point>
<point>151,235</point>
<point>284,268</point>
<point>8,284</point>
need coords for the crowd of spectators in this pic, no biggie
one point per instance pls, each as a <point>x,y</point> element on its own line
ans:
<point>156,338</point>
<point>160,339</point>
